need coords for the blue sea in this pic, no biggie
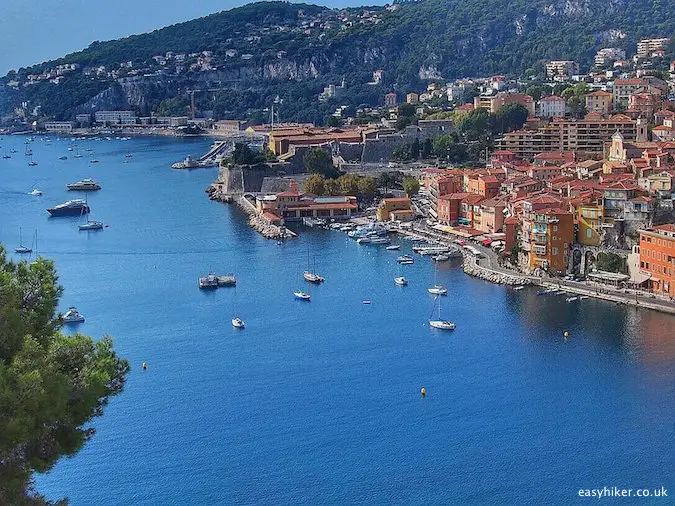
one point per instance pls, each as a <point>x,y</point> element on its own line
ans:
<point>319,402</point>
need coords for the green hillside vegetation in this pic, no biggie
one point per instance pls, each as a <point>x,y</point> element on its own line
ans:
<point>294,50</point>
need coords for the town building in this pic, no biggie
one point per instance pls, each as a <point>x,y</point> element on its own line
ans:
<point>599,102</point>
<point>588,136</point>
<point>552,107</point>
<point>115,117</point>
<point>494,102</point>
<point>647,47</point>
<point>546,236</point>
<point>412,98</point>
<point>390,99</point>
<point>395,209</point>
<point>281,141</point>
<point>229,127</point>
<point>609,55</point>
<point>59,126</point>
<point>657,257</point>
<point>561,68</point>
<point>294,205</point>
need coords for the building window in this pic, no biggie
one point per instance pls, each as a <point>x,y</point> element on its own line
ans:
<point>555,251</point>
<point>642,265</point>
<point>589,233</point>
<point>555,228</point>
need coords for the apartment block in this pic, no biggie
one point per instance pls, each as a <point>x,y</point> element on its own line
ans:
<point>647,47</point>
<point>561,68</point>
<point>657,257</point>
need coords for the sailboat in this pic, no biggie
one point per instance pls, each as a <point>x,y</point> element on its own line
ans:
<point>237,322</point>
<point>90,224</point>
<point>439,323</point>
<point>77,153</point>
<point>437,289</point>
<point>32,163</point>
<point>6,156</point>
<point>21,248</point>
<point>312,277</point>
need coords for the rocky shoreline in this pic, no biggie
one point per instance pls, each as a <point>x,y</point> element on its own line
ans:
<point>471,268</point>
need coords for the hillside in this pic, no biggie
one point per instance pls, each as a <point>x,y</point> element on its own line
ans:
<point>247,56</point>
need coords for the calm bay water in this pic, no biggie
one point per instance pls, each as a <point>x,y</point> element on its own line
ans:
<point>318,403</point>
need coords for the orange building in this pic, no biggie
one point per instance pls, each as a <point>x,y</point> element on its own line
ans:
<point>546,236</point>
<point>393,209</point>
<point>657,257</point>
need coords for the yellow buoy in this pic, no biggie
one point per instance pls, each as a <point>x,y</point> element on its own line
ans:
<point>145,365</point>
<point>423,391</point>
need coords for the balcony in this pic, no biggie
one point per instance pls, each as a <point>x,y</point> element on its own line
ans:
<point>539,250</point>
<point>538,238</point>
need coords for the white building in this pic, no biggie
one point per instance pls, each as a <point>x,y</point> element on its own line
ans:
<point>609,55</point>
<point>59,126</point>
<point>115,117</point>
<point>646,47</point>
<point>561,68</point>
<point>552,107</point>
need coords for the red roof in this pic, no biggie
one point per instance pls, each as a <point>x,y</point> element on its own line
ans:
<point>511,220</point>
<point>600,93</point>
<point>668,227</point>
<point>453,196</point>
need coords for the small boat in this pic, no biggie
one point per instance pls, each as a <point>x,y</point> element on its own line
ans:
<point>378,240</point>
<point>21,248</point>
<point>209,281</point>
<point>407,262</point>
<point>300,295</point>
<point>439,323</point>
<point>237,323</point>
<point>73,316</point>
<point>6,156</point>
<point>313,278</point>
<point>12,150</point>
<point>437,290</point>
<point>93,161</point>
<point>393,247</point>
<point>583,297</point>
<point>401,281</point>
<point>519,287</point>
<point>405,259</point>
<point>70,148</point>
<point>366,302</point>
<point>363,240</point>
<point>440,258</point>
<point>91,225</point>
<point>35,192</point>
<point>63,158</point>
<point>84,185</point>
<point>128,155</point>
<point>571,299</point>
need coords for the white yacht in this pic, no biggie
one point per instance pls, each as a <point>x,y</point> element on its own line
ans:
<point>312,277</point>
<point>401,281</point>
<point>437,290</point>
<point>91,225</point>
<point>439,323</point>
<point>36,192</point>
<point>300,295</point>
<point>393,247</point>
<point>84,185</point>
<point>73,316</point>
<point>440,258</point>
<point>237,323</point>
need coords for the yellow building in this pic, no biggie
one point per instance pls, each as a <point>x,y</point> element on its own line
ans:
<point>395,209</point>
<point>412,98</point>
<point>589,222</point>
<point>600,102</point>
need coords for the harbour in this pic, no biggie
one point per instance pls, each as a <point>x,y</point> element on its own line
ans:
<point>311,397</point>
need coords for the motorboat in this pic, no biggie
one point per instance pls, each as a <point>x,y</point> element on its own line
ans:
<point>401,281</point>
<point>370,229</point>
<point>519,287</point>
<point>380,240</point>
<point>70,208</point>
<point>84,185</point>
<point>208,282</point>
<point>73,316</point>
<point>36,192</point>
<point>393,247</point>
<point>237,323</point>
<point>440,258</point>
<point>583,297</point>
<point>91,225</point>
<point>63,158</point>
<point>300,295</point>
<point>93,161</point>
<point>439,323</point>
<point>364,240</point>
<point>437,290</point>
<point>32,163</point>
<point>571,299</point>
<point>312,277</point>
<point>405,259</point>
<point>128,155</point>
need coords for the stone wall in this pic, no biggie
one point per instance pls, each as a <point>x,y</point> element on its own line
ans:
<point>248,178</point>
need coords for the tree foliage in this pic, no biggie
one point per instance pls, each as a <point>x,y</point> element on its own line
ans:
<point>411,186</point>
<point>314,184</point>
<point>319,161</point>
<point>51,384</point>
<point>509,117</point>
<point>243,155</point>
